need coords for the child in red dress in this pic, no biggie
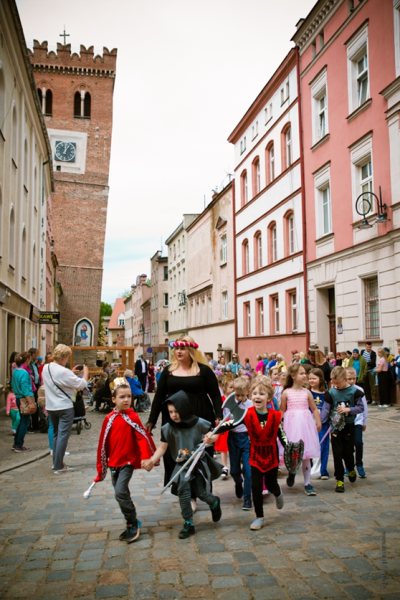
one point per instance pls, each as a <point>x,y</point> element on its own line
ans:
<point>123,444</point>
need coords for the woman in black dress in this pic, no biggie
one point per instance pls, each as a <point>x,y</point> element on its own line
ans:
<point>188,372</point>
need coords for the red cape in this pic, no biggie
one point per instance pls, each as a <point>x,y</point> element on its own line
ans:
<point>263,447</point>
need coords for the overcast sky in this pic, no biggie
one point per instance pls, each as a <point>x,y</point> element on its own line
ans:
<point>187,70</point>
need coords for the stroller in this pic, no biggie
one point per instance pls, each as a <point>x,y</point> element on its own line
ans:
<point>80,414</point>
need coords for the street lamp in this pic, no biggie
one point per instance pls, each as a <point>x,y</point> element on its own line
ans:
<point>364,204</point>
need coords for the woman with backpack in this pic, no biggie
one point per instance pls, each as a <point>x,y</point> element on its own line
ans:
<point>61,385</point>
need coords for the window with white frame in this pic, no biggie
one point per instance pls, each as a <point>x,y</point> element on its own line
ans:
<point>165,299</point>
<point>225,305</point>
<point>258,177</point>
<point>272,163</point>
<point>357,69</point>
<point>275,304</point>
<point>319,101</point>
<point>260,307</point>
<point>323,201</point>
<point>259,250</point>
<point>248,318</point>
<point>224,250</point>
<point>274,244</point>
<point>246,191</point>
<point>362,172</point>
<point>247,258</point>
<point>371,307</point>
<point>282,95</point>
<point>293,310</point>
<point>165,326</point>
<point>121,320</point>
<point>396,22</point>
<point>288,138</point>
<point>291,234</point>
<point>266,115</point>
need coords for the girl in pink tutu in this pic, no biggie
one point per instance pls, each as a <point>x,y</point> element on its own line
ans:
<point>298,421</point>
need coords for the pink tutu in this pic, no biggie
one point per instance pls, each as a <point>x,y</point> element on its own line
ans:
<point>299,423</point>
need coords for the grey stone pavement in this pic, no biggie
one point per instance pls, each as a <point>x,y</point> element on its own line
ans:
<point>55,545</point>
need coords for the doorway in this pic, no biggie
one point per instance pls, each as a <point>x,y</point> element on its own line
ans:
<point>332,320</point>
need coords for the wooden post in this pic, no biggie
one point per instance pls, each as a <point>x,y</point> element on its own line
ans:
<point>123,359</point>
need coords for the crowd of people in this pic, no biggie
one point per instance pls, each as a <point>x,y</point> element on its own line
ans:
<point>307,407</point>
<point>315,402</point>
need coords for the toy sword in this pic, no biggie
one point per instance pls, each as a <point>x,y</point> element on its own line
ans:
<point>236,411</point>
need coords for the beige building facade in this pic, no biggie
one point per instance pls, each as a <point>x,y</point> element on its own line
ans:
<point>26,182</point>
<point>159,305</point>
<point>178,278</point>
<point>210,288</point>
<point>135,313</point>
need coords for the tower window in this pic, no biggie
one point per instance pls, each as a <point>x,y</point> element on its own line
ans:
<point>82,105</point>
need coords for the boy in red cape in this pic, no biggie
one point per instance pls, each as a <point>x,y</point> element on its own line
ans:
<point>264,427</point>
<point>123,444</point>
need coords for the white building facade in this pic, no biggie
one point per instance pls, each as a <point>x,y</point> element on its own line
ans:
<point>270,307</point>
<point>25,184</point>
<point>159,305</point>
<point>178,278</point>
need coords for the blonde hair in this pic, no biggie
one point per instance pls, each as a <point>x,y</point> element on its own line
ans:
<point>262,379</point>
<point>241,383</point>
<point>351,371</point>
<point>338,373</point>
<point>197,357</point>
<point>382,353</point>
<point>259,357</point>
<point>60,351</point>
<point>264,386</point>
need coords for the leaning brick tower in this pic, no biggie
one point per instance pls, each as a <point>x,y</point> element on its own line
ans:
<point>76,92</point>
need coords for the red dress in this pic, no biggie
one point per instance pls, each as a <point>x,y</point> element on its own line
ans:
<point>151,379</point>
<point>221,445</point>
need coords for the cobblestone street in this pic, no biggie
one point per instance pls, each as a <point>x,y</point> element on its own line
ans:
<point>55,545</point>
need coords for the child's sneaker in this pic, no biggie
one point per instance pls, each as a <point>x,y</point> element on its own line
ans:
<point>247,505</point>
<point>324,477</point>
<point>309,490</point>
<point>133,531</point>
<point>361,473</point>
<point>290,479</point>
<point>216,511</point>
<point>239,489</point>
<point>21,449</point>
<point>352,476</point>
<point>279,501</point>
<point>187,531</point>
<point>257,524</point>
<point>339,487</point>
<point>122,536</point>
<point>224,473</point>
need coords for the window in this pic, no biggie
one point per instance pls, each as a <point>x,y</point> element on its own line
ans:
<point>243,145</point>
<point>323,208</point>
<point>274,245</point>
<point>165,324</point>
<point>258,263</point>
<point>289,148</point>
<point>371,307</point>
<point>23,252</point>
<point>357,69</point>
<point>291,234</point>
<point>287,90</point>
<point>282,96</point>
<point>243,186</point>
<point>326,211</point>
<point>121,320</point>
<point>11,240</point>
<point>256,177</point>
<point>224,250</point>
<point>48,106</point>
<point>225,305</point>
<point>198,312</point>
<point>165,273</point>
<point>270,163</point>
<point>270,111</point>
<point>82,105</point>
<point>362,173</point>
<point>366,177</point>
<point>247,319</point>
<point>396,19</point>
<point>322,116</point>
<point>292,311</point>
<point>313,49</point>
<point>260,317</point>
<point>321,40</point>
<point>274,314</point>
<point>14,136</point>
<point>362,79</point>
<point>165,299</point>
<point>266,115</point>
<point>246,257</point>
<point>203,311</point>
<point>209,309</point>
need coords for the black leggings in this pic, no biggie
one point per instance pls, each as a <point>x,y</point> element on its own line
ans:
<point>271,483</point>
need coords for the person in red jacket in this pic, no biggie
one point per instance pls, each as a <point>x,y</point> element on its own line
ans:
<point>123,444</point>
<point>264,427</point>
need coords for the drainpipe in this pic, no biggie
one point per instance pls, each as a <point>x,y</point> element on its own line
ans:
<point>234,267</point>
<point>303,203</point>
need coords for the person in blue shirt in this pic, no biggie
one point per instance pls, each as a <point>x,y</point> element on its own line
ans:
<point>21,384</point>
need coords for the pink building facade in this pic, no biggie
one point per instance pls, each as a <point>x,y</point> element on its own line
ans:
<point>269,271</point>
<point>349,65</point>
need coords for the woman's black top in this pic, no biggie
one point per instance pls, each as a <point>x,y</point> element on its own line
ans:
<point>325,368</point>
<point>202,389</point>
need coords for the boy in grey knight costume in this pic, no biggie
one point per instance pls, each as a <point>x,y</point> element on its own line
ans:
<point>183,435</point>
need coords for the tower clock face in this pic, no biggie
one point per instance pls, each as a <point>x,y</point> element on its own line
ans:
<point>65,151</point>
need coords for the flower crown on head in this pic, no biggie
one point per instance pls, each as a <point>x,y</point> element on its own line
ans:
<point>182,344</point>
<point>118,381</point>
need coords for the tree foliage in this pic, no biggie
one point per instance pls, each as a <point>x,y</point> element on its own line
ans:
<point>105,311</point>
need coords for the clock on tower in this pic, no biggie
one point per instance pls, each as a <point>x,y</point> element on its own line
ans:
<point>65,151</point>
